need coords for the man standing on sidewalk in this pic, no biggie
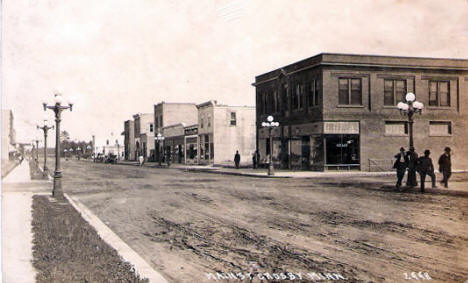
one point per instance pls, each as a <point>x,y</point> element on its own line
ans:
<point>237,159</point>
<point>425,167</point>
<point>445,166</point>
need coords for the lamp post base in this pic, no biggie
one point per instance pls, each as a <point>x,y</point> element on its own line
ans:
<point>57,191</point>
<point>271,169</point>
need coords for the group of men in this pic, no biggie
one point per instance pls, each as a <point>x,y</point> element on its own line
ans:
<point>423,165</point>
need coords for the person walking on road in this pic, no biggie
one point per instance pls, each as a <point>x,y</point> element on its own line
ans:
<point>401,163</point>
<point>237,159</point>
<point>141,160</point>
<point>425,167</point>
<point>412,158</point>
<point>445,166</point>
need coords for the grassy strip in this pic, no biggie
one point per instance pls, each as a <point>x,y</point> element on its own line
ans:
<point>67,249</point>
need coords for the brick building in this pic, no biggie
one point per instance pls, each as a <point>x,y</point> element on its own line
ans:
<point>174,142</point>
<point>169,114</point>
<point>222,130</point>
<point>144,134</point>
<point>338,111</point>
<point>129,140</point>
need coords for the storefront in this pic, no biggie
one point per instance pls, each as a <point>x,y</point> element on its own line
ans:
<point>341,145</point>
<point>191,144</point>
<point>330,145</point>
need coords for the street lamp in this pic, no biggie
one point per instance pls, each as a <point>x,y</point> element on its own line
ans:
<point>270,124</point>
<point>57,107</point>
<point>410,108</point>
<point>158,139</point>
<point>45,129</point>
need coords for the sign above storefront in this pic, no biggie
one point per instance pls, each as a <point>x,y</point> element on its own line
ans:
<point>341,127</point>
<point>191,131</point>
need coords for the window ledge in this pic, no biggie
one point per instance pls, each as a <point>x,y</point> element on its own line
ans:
<point>388,135</point>
<point>440,135</point>
<point>439,108</point>
<point>349,106</point>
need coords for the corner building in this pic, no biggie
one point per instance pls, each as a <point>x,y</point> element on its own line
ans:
<point>338,111</point>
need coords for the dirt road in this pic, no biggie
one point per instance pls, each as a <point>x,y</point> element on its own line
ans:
<point>190,225</point>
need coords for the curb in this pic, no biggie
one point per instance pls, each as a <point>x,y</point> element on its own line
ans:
<point>142,268</point>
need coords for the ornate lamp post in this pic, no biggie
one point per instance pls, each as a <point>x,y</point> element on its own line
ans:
<point>57,107</point>
<point>410,108</point>
<point>158,139</point>
<point>36,140</point>
<point>88,149</point>
<point>270,124</point>
<point>45,129</point>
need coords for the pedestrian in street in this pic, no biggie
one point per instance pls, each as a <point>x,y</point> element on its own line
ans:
<point>141,160</point>
<point>237,159</point>
<point>425,167</point>
<point>401,163</point>
<point>412,158</point>
<point>445,166</point>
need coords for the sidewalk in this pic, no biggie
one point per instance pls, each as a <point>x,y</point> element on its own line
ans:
<point>17,192</point>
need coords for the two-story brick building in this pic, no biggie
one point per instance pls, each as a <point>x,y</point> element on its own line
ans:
<point>144,134</point>
<point>129,140</point>
<point>222,130</point>
<point>338,111</point>
<point>168,114</point>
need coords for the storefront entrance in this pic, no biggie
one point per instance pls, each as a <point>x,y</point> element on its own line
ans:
<point>342,151</point>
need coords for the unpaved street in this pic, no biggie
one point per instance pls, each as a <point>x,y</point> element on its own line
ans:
<point>189,224</point>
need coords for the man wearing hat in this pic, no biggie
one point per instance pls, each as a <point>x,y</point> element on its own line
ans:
<point>400,165</point>
<point>445,166</point>
<point>425,167</point>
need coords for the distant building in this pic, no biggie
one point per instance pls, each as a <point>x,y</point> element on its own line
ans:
<point>223,130</point>
<point>8,135</point>
<point>129,140</point>
<point>338,111</point>
<point>174,142</point>
<point>169,114</point>
<point>144,134</point>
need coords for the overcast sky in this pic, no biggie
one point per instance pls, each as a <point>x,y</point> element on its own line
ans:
<point>120,57</point>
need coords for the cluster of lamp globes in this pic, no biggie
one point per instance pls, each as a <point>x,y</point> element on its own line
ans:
<point>270,122</point>
<point>410,98</point>
<point>58,101</point>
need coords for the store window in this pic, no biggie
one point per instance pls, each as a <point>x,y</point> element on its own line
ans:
<point>342,150</point>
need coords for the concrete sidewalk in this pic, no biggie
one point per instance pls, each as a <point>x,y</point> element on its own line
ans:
<point>17,192</point>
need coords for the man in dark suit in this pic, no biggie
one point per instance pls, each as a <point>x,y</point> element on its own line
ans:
<point>445,166</point>
<point>425,167</point>
<point>400,165</point>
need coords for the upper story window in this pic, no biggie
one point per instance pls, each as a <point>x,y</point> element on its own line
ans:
<point>394,91</point>
<point>201,123</point>
<point>233,119</point>
<point>275,101</point>
<point>439,93</point>
<point>284,97</point>
<point>265,103</point>
<point>208,122</point>
<point>151,128</point>
<point>313,93</point>
<point>298,97</point>
<point>350,91</point>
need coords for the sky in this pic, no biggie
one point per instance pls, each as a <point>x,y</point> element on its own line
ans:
<point>116,58</point>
